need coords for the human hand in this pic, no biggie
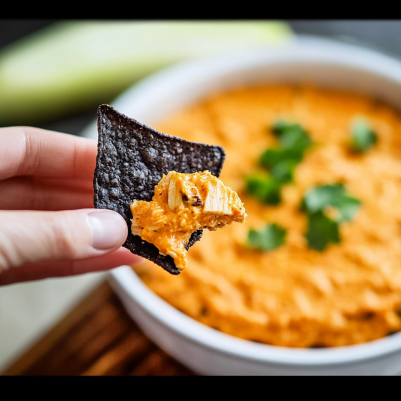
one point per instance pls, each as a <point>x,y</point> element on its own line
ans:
<point>48,227</point>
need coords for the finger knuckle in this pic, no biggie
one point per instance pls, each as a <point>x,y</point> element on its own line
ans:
<point>9,255</point>
<point>5,260</point>
<point>71,239</point>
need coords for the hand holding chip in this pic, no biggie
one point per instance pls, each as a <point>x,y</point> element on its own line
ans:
<point>48,227</point>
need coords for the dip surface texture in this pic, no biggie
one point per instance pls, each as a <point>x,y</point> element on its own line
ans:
<point>295,296</point>
<point>182,204</point>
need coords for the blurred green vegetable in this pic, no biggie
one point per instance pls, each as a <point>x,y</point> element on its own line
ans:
<point>76,65</point>
<point>322,231</point>
<point>294,142</point>
<point>321,197</point>
<point>264,188</point>
<point>273,156</point>
<point>271,237</point>
<point>362,136</point>
<point>284,171</point>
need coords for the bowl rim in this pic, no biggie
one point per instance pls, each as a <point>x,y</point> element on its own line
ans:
<point>125,278</point>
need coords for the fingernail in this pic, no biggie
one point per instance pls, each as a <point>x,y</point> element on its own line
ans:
<point>109,229</point>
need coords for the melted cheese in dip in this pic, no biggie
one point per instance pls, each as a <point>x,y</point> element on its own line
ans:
<point>295,296</point>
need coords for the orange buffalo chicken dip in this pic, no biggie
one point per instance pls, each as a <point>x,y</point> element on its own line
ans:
<point>318,261</point>
<point>182,204</point>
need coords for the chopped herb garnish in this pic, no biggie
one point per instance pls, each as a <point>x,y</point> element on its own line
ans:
<point>280,161</point>
<point>317,203</point>
<point>284,171</point>
<point>267,239</point>
<point>348,208</point>
<point>291,135</point>
<point>270,157</point>
<point>265,188</point>
<point>362,136</point>
<point>279,127</point>
<point>320,198</point>
<point>322,231</point>
<point>294,141</point>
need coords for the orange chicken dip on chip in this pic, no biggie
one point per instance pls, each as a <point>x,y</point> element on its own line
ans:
<point>182,204</point>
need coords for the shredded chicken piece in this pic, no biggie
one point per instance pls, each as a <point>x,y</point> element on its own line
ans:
<point>182,204</point>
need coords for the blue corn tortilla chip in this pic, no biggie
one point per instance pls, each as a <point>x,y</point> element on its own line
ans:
<point>131,161</point>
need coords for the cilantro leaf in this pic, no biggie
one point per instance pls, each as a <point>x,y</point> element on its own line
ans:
<point>322,197</point>
<point>284,171</point>
<point>348,208</point>
<point>279,127</point>
<point>295,139</point>
<point>267,239</point>
<point>270,157</point>
<point>362,136</point>
<point>322,231</point>
<point>280,161</point>
<point>264,188</point>
<point>290,134</point>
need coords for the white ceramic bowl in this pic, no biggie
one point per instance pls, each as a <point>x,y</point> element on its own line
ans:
<point>307,60</point>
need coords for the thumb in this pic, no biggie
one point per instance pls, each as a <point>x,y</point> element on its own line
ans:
<point>29,236</point>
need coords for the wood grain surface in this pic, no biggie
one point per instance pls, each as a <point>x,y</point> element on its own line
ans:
<point>97,337</point>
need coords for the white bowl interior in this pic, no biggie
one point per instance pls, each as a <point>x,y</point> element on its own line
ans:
<point>320,62</point>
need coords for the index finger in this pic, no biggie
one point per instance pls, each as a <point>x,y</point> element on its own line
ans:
<point>38,152</point>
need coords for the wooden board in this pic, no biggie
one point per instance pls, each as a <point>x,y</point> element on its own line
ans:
<point>97,337</point>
